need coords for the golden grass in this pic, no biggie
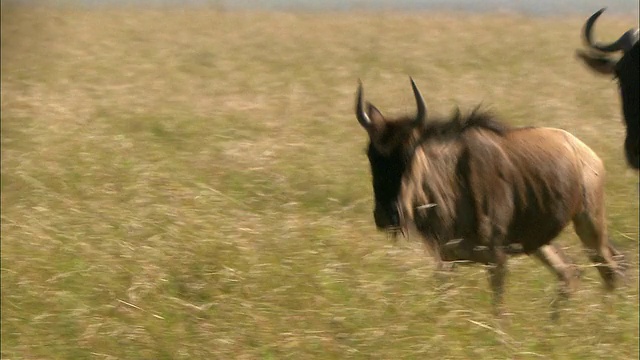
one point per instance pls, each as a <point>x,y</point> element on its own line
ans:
<point>192,184</point>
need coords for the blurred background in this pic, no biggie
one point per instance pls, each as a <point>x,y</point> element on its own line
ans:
<point>541,7</point>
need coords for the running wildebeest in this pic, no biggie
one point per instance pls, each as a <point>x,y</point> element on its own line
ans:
<point>475,189</point>
<point>627,70</point>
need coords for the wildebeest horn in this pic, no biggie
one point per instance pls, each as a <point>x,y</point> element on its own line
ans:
<point>362,116</point>
<point>422,108</point>
<point>624,43</point>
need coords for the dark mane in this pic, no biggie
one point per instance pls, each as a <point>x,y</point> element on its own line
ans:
<point>458,124</point>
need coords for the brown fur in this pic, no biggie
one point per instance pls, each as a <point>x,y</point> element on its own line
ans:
<point>491,187</point>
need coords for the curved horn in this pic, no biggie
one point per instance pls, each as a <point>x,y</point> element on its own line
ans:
<point>422,108</point>
<point>362,116</point>
<point>624,43</point>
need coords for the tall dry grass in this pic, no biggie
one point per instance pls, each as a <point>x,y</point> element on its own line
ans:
<point>181,184</point>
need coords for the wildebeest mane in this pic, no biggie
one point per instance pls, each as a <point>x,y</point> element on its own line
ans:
<point>441,170</point>
<point>458,123</point>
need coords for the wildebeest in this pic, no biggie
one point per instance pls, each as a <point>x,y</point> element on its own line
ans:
<point>475,189</point>
<point>627,70</point>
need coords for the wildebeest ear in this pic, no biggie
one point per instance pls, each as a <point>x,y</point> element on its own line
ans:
<point>376,120</point>
<point>598,63</point>
<point>375,115</point>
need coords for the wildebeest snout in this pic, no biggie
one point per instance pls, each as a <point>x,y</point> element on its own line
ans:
<point>632,151</point>
<point>386,216</point>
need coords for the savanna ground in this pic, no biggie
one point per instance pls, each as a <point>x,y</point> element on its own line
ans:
<point>182,184</point>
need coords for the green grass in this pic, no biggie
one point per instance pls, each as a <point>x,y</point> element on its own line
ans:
<point>182,184</point>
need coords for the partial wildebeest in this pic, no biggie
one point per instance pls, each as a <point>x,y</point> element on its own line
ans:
<point>627,70</point>
<point>476,190</point>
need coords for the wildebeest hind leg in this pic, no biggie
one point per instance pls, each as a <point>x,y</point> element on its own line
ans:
<point>556,260</point>
<point>606,258</point>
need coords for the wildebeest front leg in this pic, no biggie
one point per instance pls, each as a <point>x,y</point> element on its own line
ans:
<point>443,266</point>
<point>497,270</point>
<point>494,257</point>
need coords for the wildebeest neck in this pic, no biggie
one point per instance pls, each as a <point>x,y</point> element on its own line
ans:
<point>388,169</point>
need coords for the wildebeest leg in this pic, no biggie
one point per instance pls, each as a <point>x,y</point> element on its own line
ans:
<point>497,272</point>
<point>557,261</point>
<point>494,257</point>
<point>496,260</point>
<point>554,258</point>
<point>443,267</point>
<point>593,234</point>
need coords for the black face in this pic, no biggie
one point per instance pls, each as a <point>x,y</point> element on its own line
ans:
<point>627,72</point>
<point>387,176</point>
<point>388,139</point>
<point>632,149</point>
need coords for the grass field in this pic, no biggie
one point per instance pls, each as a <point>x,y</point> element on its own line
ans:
<point>192,184</point>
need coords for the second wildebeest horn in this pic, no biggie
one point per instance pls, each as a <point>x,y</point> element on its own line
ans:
<point>362,116</point>
<point>422,108</point>
<point>624,43</point>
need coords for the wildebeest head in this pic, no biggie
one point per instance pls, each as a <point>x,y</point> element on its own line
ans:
<point>626,70</point>
<point>387,156</point>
